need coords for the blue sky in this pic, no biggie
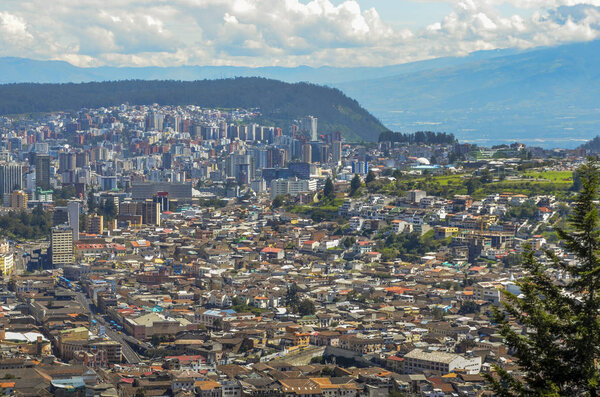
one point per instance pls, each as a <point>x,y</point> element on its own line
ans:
<point>284,32</point>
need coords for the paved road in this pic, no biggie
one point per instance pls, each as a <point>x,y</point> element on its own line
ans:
<point>130,355</point>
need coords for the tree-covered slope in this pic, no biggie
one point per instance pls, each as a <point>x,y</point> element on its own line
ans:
<point>280,103</point>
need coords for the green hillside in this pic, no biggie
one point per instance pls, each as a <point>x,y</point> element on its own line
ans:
<point>280,103</point>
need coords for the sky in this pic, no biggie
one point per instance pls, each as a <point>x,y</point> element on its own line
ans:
<point>284,32</point>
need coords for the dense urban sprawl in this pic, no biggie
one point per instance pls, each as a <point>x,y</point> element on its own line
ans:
<point>183,251</point>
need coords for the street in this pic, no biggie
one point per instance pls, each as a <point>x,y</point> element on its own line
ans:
<point>130,355</point>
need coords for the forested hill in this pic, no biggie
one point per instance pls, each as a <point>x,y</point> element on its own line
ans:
<point>279,102</point>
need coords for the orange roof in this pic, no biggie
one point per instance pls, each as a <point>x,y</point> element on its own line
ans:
<point>397,290</point>
<point>271,250</point>
<point>140,243</point>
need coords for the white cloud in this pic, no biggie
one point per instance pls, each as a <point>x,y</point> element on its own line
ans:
<point>275,32</point>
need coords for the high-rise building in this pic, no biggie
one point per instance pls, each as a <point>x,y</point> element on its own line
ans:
<point>162,198</point>
<point>167,160</point>
<point>6,259</point>
<point>324,156</point>
<point>307,153</point>
<point>66,161</point>
<point>292,186</point>
<point>73,211</point>
<point>151,213</point>
<point>18,200</point>
<point>336,152</point>
<point>95,224</point>
<point>11,178</point>
<point>82,159</point>
<point>147,209</point>
<point>6,263</point>
<point>309,126</point>
<point>42,171</point>
<point>61,246</point>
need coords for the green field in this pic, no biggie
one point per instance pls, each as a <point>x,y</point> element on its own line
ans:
<point>533,182</point>
<point>560,176</point>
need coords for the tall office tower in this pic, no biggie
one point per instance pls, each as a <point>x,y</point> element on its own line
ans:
<point>307,153</point>
<point>324,154</point>
<point>95,224</point>
<point>243,132</point>
<point>309,126</point>
<point>82,159</point>
<point>223,130</point>
<point>66,161</point>
<point>336,152</point>
<point>11,178</point>
<point>150,212</point>
<point>18,200</point>
<point>61,246</point>
<point>316,151</point>
<point>162,198</point>
<point>42,171</point>
<point>73,211</point>
<point>167,160</point>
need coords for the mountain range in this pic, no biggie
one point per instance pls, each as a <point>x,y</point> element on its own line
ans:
<point>544,96</point>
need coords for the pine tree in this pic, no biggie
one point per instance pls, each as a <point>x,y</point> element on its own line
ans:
<point>355,184</point>
<point>329,190</point>
<point>560,352</point>
<point>370,177</point>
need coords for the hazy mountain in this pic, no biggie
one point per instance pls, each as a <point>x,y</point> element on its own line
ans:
<point>546,97</point>
<point>279,103</point>
<point>22,70</point>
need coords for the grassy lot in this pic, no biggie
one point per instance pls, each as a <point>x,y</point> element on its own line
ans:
<point>559,188</point>
<point>560,176</point>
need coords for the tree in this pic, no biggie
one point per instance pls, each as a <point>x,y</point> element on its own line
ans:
<point>329,190</point>
<point>370,177</point>
<point>306,307</point>
<point>291,298</point>
<point>355,184</point>
<point>277,202</point>
<point>472,185</point>
<point>559,354</point>
<point>468,307</point>
<point>486,176</point>
<point>218,324</point>
<point>91,202</point>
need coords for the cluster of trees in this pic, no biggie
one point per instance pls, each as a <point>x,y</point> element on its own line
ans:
<point>279,103</point>
<point>61,195</point>
<point>355,185</point>
<point>106,208</point>
<point>527,210</point>
<point>34,225</point>
<point>425,137</point>
<point>408,246</point>
<point>302,307</point>
<point>216,203</point>
<point>241,307</point>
